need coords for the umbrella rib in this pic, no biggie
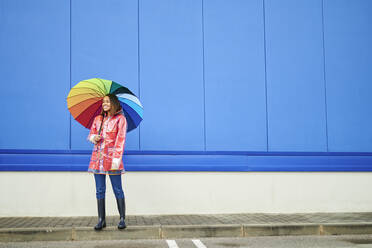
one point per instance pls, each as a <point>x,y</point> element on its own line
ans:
<point>90,94</point>
<point>71,99</point>
<point>132,102</point>
<point>134,99</point>
<point>104,85</point>
<point>87,88</point>
<point>102,90</point>
<point>86,108</point>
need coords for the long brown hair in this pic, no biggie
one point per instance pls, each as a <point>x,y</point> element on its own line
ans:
<point>115,105</point>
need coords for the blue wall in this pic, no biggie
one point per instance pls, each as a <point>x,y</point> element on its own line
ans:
<point>35,74</point>
<point>214,76</point>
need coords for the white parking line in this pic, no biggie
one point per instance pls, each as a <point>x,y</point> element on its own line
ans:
<point>172,244</point>
<point>198,243</point>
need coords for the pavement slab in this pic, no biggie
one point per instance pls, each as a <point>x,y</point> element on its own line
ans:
<point>184,226</point>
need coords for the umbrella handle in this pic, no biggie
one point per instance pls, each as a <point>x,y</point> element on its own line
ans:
<point>100,128</point>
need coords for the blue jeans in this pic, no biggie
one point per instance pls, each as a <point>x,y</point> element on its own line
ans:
<point>101,186</point>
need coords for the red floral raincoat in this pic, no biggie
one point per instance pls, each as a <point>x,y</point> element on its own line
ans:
<point>107,153</point>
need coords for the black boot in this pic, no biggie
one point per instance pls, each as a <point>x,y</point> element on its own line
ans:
<point>121,208</point>
<point>101,214</point>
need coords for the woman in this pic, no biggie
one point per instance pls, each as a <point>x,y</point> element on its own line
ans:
<point>108,133</point>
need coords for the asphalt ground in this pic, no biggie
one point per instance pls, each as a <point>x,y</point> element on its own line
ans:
<point>355,241</point>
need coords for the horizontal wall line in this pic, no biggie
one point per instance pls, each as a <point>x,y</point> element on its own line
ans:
<point>48,160</point>
<point>156,152</point>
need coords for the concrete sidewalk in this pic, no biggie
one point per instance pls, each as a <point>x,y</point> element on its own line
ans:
<point>184,226</point>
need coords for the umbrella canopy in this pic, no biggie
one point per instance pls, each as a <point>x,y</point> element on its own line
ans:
<point>85,101</point>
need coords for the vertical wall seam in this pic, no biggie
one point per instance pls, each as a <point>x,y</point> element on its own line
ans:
<point>264,36</point>
<point>324,77</point>
<point>138,68</point>
<point>205,129</point>
<point>70,77</point>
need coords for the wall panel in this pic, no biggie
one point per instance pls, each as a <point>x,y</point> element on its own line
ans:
<point>235,75</point>
<point>105,45</point>
<point>171,75</point>
<point>348,39</point>
<point>34,47</point>
<point>295,75</point>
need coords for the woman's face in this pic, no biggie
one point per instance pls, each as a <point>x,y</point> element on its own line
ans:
<point>106,104</point>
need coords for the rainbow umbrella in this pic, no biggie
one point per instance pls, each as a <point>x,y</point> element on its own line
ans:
<point>85,101</point>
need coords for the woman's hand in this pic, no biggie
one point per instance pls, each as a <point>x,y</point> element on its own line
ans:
<point>97,138</point>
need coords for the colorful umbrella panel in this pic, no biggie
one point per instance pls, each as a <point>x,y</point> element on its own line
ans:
<point>84,101</point>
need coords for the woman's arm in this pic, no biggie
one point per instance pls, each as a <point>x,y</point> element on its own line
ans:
<point>93,132</point>
<point>119,143</point>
